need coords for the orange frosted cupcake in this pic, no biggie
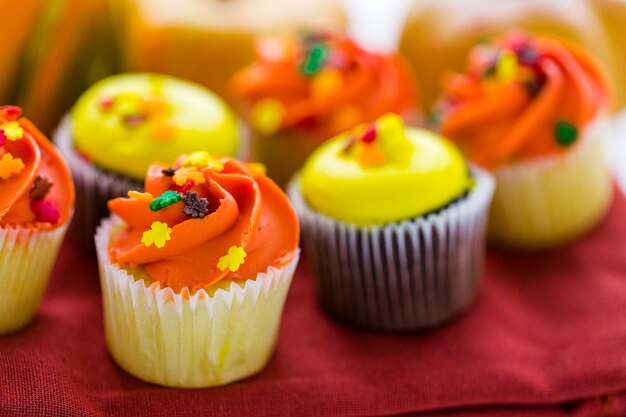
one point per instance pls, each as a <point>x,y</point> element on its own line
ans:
<point>533,110</point>
<point>195,272</point>
<point>36,204</point>
<point>301,92</point>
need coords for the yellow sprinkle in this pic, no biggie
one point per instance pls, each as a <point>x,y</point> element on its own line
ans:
<point>257,168</point>
<point>182,175</point>
<point>325,83</point>
<point>140,196</point>
<point>13,131</point>
<point>127,104</point>
<point>506,68</point>
<point>158,234</point>
<point>203,159</point>
<point>266,116</point>
<point>233,259</point>
<point>10,166</point>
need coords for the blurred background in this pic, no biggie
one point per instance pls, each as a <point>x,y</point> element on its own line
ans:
<point>54,49</point>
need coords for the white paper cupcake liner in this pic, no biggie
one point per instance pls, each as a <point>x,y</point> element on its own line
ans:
<point>554,200</point>
<point>27,257</point>
<point>184,340</point>
<point>94,187</point>
<point>401,276</point>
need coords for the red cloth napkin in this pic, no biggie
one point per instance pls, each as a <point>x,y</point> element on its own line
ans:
<point>547,337</point>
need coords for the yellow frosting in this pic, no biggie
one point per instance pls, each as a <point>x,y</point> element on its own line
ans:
<point>408,173</point>
<point>126,122</point>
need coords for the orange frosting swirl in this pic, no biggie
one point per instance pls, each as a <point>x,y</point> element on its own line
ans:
<point>37,187</point>
<point>324,84</point>
<point>249,225</point>
<point>521,98</point>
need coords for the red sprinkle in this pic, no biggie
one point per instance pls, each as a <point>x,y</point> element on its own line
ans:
<point>9,113</point>
<point>106,103</point>
<point>3,137</point>
<point>370,135</point>
<point>183,190</point>
<point>134,120</point>
<point>46,211</point>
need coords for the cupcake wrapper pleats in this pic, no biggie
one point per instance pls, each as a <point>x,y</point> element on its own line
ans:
<point>94,187</point>
<point>402,276</point>
<point>27,257</point>
<point>554,200</point>
<point>189,340</point>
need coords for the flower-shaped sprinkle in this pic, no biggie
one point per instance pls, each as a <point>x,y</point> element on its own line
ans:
<point>267,115</point>
<point>13,131</point>
<point>233,259</point>
<point>158,234</point>
<point>10,166</point>
<point>184,174</point>
<point>202,159</point>
<point>166,199</point>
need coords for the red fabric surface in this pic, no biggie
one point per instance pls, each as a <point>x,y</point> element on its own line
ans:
<point>547,337</point>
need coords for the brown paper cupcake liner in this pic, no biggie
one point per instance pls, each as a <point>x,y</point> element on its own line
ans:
<point>94,187</point>
<point>402,276</point>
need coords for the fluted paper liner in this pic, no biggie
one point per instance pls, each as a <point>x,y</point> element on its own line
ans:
<point>401,276</point>
<point>554,200</point>
<point>27,256</point>
<point>192,341</point>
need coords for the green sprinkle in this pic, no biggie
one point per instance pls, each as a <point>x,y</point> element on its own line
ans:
<point>166,199</point>
<point>565,132</point>
<point>314,60</point>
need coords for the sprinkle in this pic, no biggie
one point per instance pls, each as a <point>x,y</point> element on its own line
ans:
<point>186,187</point>
<point>326,83</point>
<point>232,260</point>
<point>257,168</point>
<point>182,175</point>
<point>195,207</point>
<point>46,211</point>
<point>370,135</point>
<point>528,55</point>
<point>158,234</point>
<point>106,103</point>
<point>134,120</point>
<point>314,60</point>
<point>203,159</point>
<point>10,166</point>
<point>352,140</point>
<point>40,188</point>
<point>162,129</point>
<point>13,131</point>
<point>9,113</point>
<point>565,132</point>
<point>168,172</point>
<point>506,68</point>
<point>3,138</point>
<point>370,156</point>
<point>140,196</point>
<point>266,116</point>
<point>166,199</point>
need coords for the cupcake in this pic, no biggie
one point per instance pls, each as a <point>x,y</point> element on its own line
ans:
<point>123,123</point>
<point>534,111</point>
<point>393,223</point>
<point>207,41</point>
<point>195,271</point>
<point>35,210</point>
<point>302,91</point>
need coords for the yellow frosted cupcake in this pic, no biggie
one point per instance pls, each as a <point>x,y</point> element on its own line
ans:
<point>393,223</point>
<point>302,91</point>
<point>195,272</point>
<point>36,204</point>
<point>534,110</point>
<point>123,123</point>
